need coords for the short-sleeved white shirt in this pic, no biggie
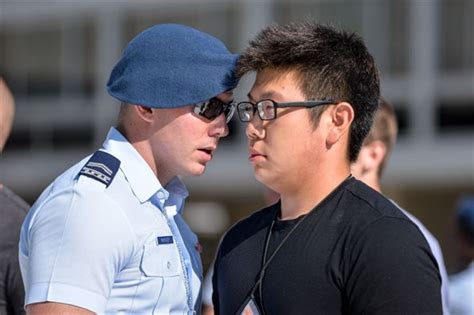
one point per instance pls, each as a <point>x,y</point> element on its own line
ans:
<point>461,290</point>
<point>122,248</point>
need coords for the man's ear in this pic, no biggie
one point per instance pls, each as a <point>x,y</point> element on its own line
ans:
<point>368,163</point>
<point>376,152</point>
<point>342,116</point>
<point>144,113</point>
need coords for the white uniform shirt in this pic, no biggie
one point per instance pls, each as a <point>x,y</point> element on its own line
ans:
<point>461,290</point>
<point>122,248</point>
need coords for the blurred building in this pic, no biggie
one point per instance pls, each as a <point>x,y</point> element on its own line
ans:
<point>57,55</point>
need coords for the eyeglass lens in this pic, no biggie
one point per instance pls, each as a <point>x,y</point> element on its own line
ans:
<point>265,108</point>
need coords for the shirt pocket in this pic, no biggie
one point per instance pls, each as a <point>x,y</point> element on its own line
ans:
<point>160,260</point>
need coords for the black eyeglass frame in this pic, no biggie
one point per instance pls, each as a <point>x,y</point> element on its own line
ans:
<point>259,110</point>
<point>203,109</point>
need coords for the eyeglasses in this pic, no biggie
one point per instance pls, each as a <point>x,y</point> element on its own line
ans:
<point>212,109</point>
<point>267,108</point>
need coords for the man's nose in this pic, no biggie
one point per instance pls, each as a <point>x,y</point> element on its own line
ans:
<point>254,129</point>
<point>219,127</point>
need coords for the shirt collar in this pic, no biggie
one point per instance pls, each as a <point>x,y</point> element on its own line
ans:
<point>178,194</point>
<point>138,173</point>
<point>177,187</point>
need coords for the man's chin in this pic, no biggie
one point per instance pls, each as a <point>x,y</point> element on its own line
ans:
<point>259,176</point>
<point>267,176</point>
<point>199,170</point>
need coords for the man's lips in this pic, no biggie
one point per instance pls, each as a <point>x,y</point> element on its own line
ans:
<point>254,154</point>
<point>208,150</point>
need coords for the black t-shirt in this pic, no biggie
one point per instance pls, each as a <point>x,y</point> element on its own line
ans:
<point>354,253</point>
<point>12,212</point>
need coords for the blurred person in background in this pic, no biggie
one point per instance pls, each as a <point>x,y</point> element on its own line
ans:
<point>371,162</point>
<point>13,210</point>
<point>461,284</point>
<point>108,236</point>
<point>331,245</point>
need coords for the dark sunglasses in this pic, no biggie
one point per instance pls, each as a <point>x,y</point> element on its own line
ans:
<point>212,109</point>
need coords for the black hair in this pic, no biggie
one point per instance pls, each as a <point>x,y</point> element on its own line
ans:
<point>330,64</point>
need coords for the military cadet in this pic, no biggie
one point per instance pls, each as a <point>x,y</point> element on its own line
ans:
<point>108,236</point>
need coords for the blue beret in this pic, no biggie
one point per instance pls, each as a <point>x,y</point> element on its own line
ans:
<point>171,65</point>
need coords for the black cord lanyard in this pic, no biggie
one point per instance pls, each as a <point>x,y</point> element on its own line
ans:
<point>265,262</point>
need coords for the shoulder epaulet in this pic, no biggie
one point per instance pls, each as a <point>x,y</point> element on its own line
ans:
<point>102,166</point>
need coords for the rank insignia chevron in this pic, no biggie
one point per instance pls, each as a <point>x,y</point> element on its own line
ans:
<point>102,166</point>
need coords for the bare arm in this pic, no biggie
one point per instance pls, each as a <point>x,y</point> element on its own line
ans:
<point>55,308</point>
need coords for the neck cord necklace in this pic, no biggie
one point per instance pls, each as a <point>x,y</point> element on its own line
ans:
<point>265,262</point>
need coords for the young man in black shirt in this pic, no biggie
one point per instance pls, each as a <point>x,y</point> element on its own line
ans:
<point>331,245</point>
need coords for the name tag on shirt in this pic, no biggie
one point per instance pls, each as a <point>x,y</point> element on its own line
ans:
<point>163,240</point>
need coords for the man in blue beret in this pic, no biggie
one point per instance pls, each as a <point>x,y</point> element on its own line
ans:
<point>108,236</point>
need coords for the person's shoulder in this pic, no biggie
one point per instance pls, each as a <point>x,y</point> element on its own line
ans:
<point>463,277</point>
<point>367,203</point>
<point>248,226</point>
<point>365,209</point>
<point>13,210</point>
<point>256,219</point>
<point>101,167</point>
<point>67,179</point>
<point>95,172</point>
<point>80,193</point>
<point>461,290</point>
<point>432,241</point>
<point>371,217</point>
<point>83,183</point>
<point>11,201</point>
